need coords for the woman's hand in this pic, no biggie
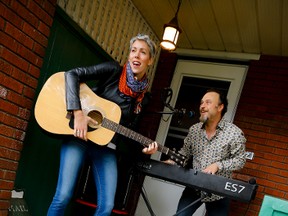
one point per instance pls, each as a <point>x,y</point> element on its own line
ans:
<point>151,149</point>
<point>80,124</point>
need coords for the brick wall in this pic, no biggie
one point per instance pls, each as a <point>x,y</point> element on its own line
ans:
<point>263,115</point>
<point>25,27</point>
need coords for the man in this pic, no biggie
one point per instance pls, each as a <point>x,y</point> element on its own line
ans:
<point>217,147</point>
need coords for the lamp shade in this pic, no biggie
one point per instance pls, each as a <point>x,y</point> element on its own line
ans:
<point>170,37</point>
<point>171,33</point>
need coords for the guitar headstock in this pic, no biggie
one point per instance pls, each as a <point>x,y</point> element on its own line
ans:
<point>178,158</point>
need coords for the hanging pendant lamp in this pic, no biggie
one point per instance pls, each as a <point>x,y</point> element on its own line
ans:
<point>171,32</point>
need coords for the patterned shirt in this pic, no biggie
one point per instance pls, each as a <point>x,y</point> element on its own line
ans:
<point>226,148</point>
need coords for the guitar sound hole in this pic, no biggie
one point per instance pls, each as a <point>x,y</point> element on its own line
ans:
<point>96,116</point>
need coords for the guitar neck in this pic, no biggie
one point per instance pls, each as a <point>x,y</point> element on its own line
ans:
<point>106,123</point>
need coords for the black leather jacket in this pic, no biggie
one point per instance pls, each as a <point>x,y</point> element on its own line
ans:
<point>104,78</point>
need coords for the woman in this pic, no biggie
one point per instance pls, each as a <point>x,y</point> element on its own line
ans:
<point>124,86</point>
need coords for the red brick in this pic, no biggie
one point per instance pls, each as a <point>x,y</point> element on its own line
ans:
<point>274,157</point>
<point>11,143</point>
<point>14,122</point>
<point>5,194</point>
<point>17,99</point>
<point>273,192</point>
<point>19,135</point>
<point>12,84</point>
<point>29,92</point>
<point>40,13</point>
<point>12,17</point>
<point>3,212</point>
<point>35,34</point>
<point>282,187</point>
<point>6,184</point>
<point>3,92</point>
<point>18,35</point>
<point>44,29</point>
<point>266,183</point>
<point>21,125</point>
<point>8,119</point>
<point>8,107</point>
<point>6,131</point>
<point>24,13</point>
<point>19,75</point>
<point>9,154</point>
<point>6,67</point>
<point>2,10</point>
<point>8,42</point>
<point>32,82</point>
<point>278,165</point>
<point>8,164</point>
<point>263,148</point>
<point>4,204</point>
<point>281,139</point>
<point>277,179</point>
<point>39,50</point>
<point>279,131</point>
<point>23,2</point>
<point>284,173</point>
<point>14,59</point>
<point>34,71</point>
<point>257,134</point>
<point>28,55</point>
<point>7,175</point>
<point>24,113</point>
<point>50,6</point>
<point>261,128</point>
<point>283,152</point>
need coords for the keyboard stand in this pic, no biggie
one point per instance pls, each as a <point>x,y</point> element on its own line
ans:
<point>193,203</point>
<point>147,202</point>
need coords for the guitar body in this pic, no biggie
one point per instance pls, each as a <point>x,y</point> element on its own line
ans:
<point>51,114</point>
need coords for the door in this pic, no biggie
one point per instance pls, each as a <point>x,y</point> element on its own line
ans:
<point>190,82</point>
<point>37,174</point>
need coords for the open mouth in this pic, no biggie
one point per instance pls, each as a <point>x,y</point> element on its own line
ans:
<point>136,63</point>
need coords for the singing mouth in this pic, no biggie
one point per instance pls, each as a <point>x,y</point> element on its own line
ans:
<point>136,63</point>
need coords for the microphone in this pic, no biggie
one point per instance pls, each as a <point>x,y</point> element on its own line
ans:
<point>191,114</point>
<point>182,112</point>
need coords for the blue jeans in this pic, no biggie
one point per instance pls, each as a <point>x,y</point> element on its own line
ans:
<point>104,169</point>
<point>215,208</point>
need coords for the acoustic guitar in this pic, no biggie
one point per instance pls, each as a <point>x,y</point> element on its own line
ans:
<point>51,115</point>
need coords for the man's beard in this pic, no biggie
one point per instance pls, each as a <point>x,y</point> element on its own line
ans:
<point>203,119</point>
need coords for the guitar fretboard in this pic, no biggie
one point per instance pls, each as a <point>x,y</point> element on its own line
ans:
<point>106,123</point>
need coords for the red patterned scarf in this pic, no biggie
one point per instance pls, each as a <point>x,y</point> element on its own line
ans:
<point>131,87</point>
